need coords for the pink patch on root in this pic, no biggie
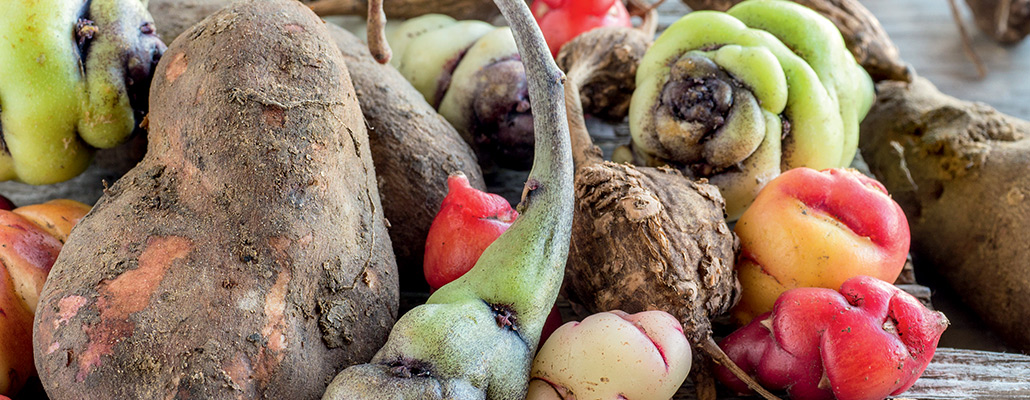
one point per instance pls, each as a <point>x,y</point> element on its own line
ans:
<point>127,294</point>
<point>275,307</point>
<point>67,308</point>
<point>53,347</point>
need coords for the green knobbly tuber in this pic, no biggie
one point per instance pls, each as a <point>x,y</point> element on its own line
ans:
<point>475,337</point>
<point>75,77</point>
<point>737,97</point>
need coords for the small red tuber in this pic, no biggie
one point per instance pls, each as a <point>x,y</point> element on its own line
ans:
<point>562,20</point>
<point>869,341</point>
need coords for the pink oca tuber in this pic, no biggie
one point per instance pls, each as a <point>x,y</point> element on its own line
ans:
<point>811,228</point>
<point>869,341</point>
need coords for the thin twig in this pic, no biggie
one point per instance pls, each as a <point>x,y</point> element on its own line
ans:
<point>377,32</point>
<point>967,44</point>
<point>721,358</point>
<point>648,14</point>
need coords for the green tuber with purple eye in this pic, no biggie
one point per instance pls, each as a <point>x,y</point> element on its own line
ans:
<point>76,75</point>
<point>737,97</point>
<point>476,336</point>
<point>471,72</point>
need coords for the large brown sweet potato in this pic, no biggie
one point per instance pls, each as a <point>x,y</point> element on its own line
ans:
<point>961,172</point>
<point>246,255</point>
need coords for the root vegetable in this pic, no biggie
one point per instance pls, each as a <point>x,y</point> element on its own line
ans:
<point>414,149</point>
<point>740,83</point>
<point>471,71</point>
<point>863,34</point>
<point>866,341</point>
<point>959,170</point>
<point>30,240</point>
<point>246,255</point>
<point>811,228</point>
<point>476,336</point>
<point>468,222</point>
<point>612,355</point>
<point>75,78</point>
<point>605,93</point>
<point>644,238</point>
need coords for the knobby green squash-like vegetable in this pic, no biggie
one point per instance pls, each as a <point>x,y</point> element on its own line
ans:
<point>737,97</point>
<point>476,336</point>
<point>75,77</point>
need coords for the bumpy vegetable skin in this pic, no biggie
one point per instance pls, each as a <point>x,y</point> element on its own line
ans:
<point>738,97</point>
<point>76,77</point>
<point>958,169</point>
<point>868,341</point>
<point>246,255</point>
<point>811,228</point>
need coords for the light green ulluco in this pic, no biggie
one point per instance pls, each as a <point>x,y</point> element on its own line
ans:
<point>51,114</point>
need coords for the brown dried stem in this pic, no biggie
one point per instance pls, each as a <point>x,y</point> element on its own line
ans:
<point>459,9</point>
<point>967,45</point>
<point>376,32</point>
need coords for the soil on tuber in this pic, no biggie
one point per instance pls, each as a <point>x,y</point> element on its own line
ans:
<point>476,336</point>
<point>246,256</point>
<point>644,238</point>
<point>959,170</point>
<point>414,149</point>
<point>862,33</point>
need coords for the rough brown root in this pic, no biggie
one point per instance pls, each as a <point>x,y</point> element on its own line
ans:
<point>862,33</point>
<point>609,77</point>
<point>648,239</point>
<point>414,150</point>
<point>459,9</point>
<point>1006,21</point>
<point>959,170</point>
<point>246,256</point>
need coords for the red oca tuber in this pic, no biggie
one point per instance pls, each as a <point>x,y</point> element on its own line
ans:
<point>869,341</point>
<point>811,228</point>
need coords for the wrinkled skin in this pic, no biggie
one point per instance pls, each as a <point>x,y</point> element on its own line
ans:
<point>765,87</point>
<point>74,80</point>
<point>811,228</point>
<point>30,240</point>
<point>870,340</point>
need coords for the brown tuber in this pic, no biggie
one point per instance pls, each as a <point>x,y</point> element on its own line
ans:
<point>414,149</point>
<point>960,172</point>
<point>459,9</point>
<point>644,238</point>
<point>246,256</point>
<point>1005,21</point>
